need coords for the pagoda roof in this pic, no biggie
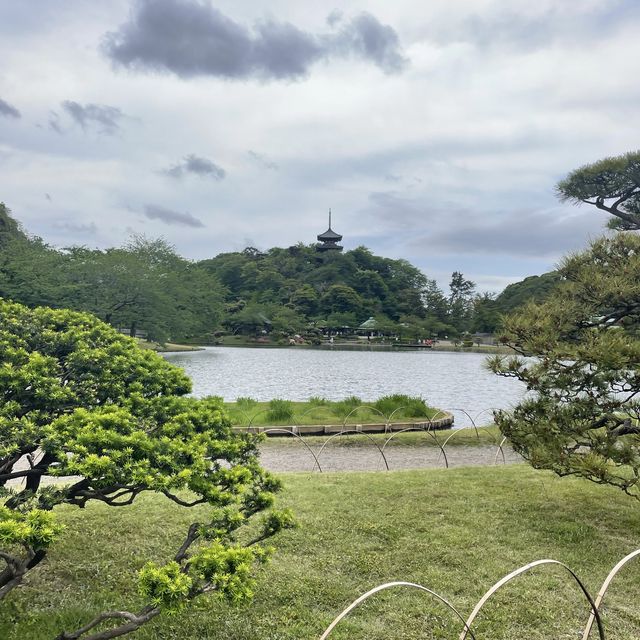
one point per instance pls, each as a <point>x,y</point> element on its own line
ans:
<point>330,234</point>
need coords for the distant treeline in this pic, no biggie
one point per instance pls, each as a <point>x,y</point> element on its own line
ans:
<point>145,286</point>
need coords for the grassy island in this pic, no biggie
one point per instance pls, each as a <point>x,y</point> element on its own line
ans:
<point>320,411</point>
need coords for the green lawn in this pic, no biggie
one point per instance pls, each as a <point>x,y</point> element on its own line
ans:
<point>323,411</point>
<point>489,435</point>
<point>455,531</point>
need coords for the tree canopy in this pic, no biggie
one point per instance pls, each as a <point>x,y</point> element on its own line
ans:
<point>145,288</point>
<point>80,400</point>
<point>611,185</point>
<point>582,416</point>
<point>142,286</point>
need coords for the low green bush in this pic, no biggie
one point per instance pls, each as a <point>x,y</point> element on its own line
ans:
<point>280,410</point>
<point>246,403</point>
<point>411,407</point>
<point>416,408</point>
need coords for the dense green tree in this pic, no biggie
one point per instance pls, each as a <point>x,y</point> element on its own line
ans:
<point>340,319</point>
<point>340,297</point>
<point>435,302</point>
<point>227,267</point>
<point>611,185</point>
<point>29,269</point>
<point>305,300</point>
<point>582,414</point>
<point>531,289</point>
<point>250,319</point>
<point>370,284</point>
<point>287,321</point>
<point>9,228</point>
<point>79,399</point>
<point>486,314</point>
<point>461,300</point>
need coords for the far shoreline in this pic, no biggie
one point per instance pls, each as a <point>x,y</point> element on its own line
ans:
<point>326,346</point>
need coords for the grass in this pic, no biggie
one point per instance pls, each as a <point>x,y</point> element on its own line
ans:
<point>456,437</point>
<point>455,531</point>
<point>321,411</point>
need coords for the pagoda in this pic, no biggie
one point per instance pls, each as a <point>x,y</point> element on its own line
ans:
<point>329,239</point>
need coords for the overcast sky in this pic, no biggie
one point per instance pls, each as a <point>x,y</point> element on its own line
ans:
<point>435,131</point>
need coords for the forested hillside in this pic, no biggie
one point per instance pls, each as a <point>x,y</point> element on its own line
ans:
<point>293,286</point>
<point>145,286</point>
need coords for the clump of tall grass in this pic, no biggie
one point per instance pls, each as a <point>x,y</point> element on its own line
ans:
<point>246,403</point>
<point>317,401</point>
<point>343,408</point>
<point>280,410</point>
<point>400,403</point>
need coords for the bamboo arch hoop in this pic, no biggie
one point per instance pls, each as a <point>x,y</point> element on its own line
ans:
<point>390,585</point>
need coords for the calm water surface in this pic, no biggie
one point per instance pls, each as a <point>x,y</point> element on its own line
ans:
<point>447,380</point>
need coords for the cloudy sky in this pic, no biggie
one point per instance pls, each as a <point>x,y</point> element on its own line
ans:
<point>435,131</point>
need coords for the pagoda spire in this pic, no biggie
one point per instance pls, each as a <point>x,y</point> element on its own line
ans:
<point>329,239</point>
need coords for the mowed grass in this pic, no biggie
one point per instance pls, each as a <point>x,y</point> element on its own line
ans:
<point>455,531</point>
<point>349,411</point>
<point>484,436</point>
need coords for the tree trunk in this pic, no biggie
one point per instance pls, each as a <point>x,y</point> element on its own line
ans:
<point>135,621</point>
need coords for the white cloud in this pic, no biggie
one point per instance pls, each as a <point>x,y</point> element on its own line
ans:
<point>435,164</point>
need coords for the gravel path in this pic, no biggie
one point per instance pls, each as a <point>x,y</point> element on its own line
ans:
<point>367,457</point>
<point>344,456</point>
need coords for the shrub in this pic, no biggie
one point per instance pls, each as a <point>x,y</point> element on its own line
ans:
<point>345,407</point>
<point>416,408</point>
<point>99,407</point>
<point>411,407</point>
<point>280,410</point>
<point>246,403</point>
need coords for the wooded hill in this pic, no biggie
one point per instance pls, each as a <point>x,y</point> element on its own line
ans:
<point>145,286</point>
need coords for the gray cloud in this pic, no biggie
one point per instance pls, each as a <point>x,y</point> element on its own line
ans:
<point>76,227</point>
<point>197,166</point>
<point>192,38</point>
<point>502,27</point>
<point>367,38</point>
<point>54,122</point>
<point>262,160</point>
<point>168,216</point>
<point>393,209</point>
<point>103,116</point>
<point>8,110</point>
<point>335,17</point>
<point>532,233</point>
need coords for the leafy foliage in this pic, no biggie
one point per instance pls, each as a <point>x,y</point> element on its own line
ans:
<point>583,415</point>
<point>611,185</point>
<point>146,287</point>
<point>143,285</point>
<point>409,406</point>
<point>280,410</point>
<point>80,400</point>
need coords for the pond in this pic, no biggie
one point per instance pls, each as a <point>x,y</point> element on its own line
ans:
<point>448,380</point>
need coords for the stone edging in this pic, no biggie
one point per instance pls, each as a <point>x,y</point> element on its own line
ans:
<point>374,427</point>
